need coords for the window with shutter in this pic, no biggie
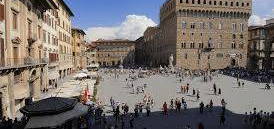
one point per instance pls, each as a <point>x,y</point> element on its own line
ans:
<point>2,14</point>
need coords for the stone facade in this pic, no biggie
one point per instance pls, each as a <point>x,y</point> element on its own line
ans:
<point>79,49</point>
<point>202,34</point>
<point>261,47</point>
<point>111,53</point>
<point>22,70</point>
<point>64,38</point>
<point>50,52</point>
<point>91,56</point>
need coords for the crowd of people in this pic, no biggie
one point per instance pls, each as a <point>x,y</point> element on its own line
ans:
<point>178,104</point>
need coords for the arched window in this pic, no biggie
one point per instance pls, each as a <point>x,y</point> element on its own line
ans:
<point>193,1</point>
<point>220,3</point>
<point>181,1</point>
<point>210,3</point>
<point>231,4</point>
<point>247,4</point>
<point>237,3</point>
<point>243,4</point>
<point>215,2</point>
<point>204,1</point>
<point>186,1</point>
<point>226,4</point>
<point>199,1</point>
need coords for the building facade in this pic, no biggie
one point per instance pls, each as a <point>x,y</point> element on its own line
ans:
<point>111,53</point>
<point>203,34</point>
<point>139,51</point>
<point>261,47</point>
<point>22,70</point>
<point>64,38</point>
<point>79,49</point>
<point>50,46</point>
<point>91,56</point>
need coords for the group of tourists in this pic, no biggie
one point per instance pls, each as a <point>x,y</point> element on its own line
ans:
<point>259,120</point>
<point>7,123</point>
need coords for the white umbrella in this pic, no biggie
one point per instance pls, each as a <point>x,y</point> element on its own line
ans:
<point>80,75</point>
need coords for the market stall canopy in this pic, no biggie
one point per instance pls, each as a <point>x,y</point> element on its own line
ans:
<point>81,75</point>
<point>52,121</point>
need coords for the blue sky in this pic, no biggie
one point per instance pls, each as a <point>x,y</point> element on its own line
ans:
<point>109,14</point>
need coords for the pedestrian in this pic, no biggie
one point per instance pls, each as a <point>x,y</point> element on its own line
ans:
<point>239,84</point>
<point>165,108</point>
<point>211,105</point>
<point>223,103</point>
<point>187,87</point>
<point>171,104</point>
<point>202,107</point>
<point>243,84</point>
<point>220,92</point>
<point>131,124</point>
<point>193,92</point>
<point>222,119</point>
<point>215,88</point>
<point>136,111</point>
<point>148,110</point>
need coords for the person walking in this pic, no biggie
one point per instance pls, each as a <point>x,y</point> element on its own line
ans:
<point>222,119</point>
<point>187,88</point>
<point>215,88</point>
<point>165,108</point>
<point>148,110</point>
<point>220,92</point>
<point>136,111</point>
<point>211,105</point>
<point>202,107</point>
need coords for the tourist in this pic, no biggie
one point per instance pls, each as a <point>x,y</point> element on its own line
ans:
<point>136,111</point>
<point>131,124</point>
<point>211,105</point>
<point>220,92</point>
<point>171,104</point>
<point>187,88</point>
<point>215,88</point>
<point>148,110</point>
<point>165,108</point>
<point>222,119</point>
<point>193,92</point>
<point>202,107</point>
<point>223,103</point>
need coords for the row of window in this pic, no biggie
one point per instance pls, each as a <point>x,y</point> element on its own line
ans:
<point>221,3</point>
<point>63,37</point>
<point>212,14</point>
<point>49,38</point>
<point>218,55</point>
<point>210,25</point>
<point>209,45</point>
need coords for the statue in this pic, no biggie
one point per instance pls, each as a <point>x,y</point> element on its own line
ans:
<point>171,60</point>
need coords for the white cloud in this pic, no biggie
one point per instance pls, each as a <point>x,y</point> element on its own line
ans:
<point>131,28</point>
<point>255,20</point>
